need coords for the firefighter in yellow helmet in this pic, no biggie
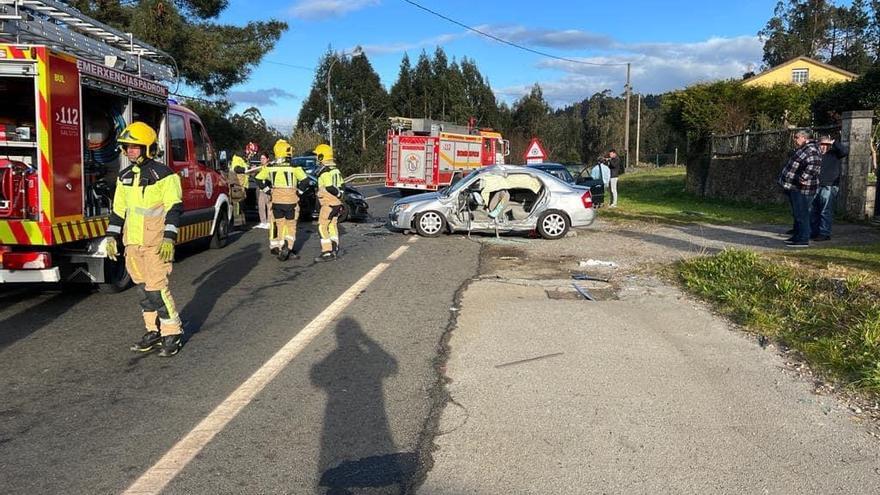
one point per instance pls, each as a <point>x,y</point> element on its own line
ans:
<point>330,186</point>
<point>239,168</point>
<point>286,183</point>
<point>146,212</point>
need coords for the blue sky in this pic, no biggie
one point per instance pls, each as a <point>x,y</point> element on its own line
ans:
<point>671,43</point>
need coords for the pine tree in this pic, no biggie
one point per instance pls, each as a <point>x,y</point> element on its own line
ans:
<point>423,88</point>
<point>402,92</point>
<point>440,73</point>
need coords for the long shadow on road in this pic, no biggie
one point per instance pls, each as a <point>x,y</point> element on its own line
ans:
<point>357,448</point>
<point>214,283</point>
<point>33,318</point>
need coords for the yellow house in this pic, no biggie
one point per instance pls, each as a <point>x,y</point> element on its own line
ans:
<point>800,70</point>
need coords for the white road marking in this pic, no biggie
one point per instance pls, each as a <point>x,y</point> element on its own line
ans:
<point>380,195</point>
<point>155,479</point>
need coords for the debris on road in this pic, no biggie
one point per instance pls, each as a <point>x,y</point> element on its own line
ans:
<point>584,292</point>
<point>584,276</point>
<point>592,262</point>
<point>529,360</point>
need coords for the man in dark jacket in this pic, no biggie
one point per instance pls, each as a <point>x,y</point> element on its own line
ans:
<point>799,180</point>
<point>822,213</point>
<point>614,166</point>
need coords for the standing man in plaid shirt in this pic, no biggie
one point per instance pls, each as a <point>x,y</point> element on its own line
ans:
<point>800,181</point>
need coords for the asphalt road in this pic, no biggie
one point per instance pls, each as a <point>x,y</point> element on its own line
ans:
<point>80,413</point>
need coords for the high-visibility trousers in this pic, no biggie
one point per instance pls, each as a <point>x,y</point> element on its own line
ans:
<point>328,219</point>
<point>151,274</point>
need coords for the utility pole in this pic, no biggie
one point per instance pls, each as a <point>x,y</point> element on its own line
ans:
<point>626,118</point>
<point>638,125</point>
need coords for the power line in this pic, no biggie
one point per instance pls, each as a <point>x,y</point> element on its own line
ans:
<point>301,67</point>
<point>511,43</point>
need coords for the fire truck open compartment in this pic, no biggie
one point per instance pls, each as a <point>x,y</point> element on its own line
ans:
<point>104,118</point>
<point>18,150</point>
<point>18,114</point>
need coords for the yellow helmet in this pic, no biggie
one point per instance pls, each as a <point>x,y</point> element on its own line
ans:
<point>282,149</point>
<point>324,152</point>
<point>139,133</point>
<point>238,161</point>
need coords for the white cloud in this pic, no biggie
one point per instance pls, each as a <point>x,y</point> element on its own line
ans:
<point>567,39</point>
<point>656,68</point>
<point>320,9</point>
<point>381,49</point>
<point>283,124</point>
<point>260,97</point>
<point>570,39</point>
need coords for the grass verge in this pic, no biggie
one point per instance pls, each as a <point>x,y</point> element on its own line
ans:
<point>659,195</point>
<point>863,257</point>
<point>834,323</point>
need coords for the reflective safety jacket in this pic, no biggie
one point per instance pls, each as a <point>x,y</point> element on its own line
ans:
<point>283,179</point>
<point>330,184</point>
<point>239,166</point>
<point>147,204</point>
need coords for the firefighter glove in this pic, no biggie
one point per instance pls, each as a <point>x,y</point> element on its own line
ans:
<point>334,191</point>
<point>111,248</point>
<point>166,250</point>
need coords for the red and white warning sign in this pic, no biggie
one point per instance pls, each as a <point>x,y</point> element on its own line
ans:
<point>535,152</point>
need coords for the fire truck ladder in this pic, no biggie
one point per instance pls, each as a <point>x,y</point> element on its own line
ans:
<point>66,29</point>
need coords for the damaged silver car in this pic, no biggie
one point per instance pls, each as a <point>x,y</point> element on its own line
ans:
<point>501,198</point>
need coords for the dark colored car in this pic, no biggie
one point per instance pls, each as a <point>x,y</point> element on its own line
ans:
<point>563,172</point>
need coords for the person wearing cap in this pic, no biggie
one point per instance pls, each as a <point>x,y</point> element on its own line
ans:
<point>822,212</point>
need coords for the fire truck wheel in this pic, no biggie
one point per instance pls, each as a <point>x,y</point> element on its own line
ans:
<point>221,230</point>
<point>116,277</point>
<point>553,224</point>
<point>430,224</point>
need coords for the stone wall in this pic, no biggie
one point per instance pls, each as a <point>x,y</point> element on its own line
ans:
<point>750,178</point>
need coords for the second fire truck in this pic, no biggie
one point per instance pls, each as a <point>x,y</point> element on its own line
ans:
<point>426,155</point>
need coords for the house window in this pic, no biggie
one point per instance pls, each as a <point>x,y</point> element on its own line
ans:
<point>800,76</point>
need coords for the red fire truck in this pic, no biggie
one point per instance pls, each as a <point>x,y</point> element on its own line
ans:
<point>425,155</point>
<point>69,84</point>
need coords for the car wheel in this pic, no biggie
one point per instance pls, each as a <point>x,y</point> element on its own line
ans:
<point>343,215</point>
<point>430,224</point>
<point>221,230</point>
<point>553,224</point>
<point>116,277</point>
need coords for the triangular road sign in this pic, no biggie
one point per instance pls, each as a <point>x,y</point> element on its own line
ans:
<point>535,152</point>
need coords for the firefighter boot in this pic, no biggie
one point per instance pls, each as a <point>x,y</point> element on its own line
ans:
<point>283,253</point>
<point>327,256</point>
<point>148,342</point>
<point>171,345</point>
